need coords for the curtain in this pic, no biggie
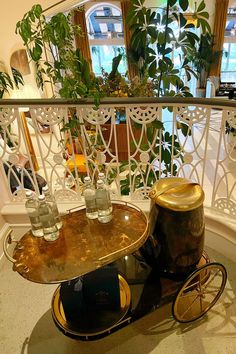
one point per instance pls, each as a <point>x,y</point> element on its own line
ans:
<point>82,42</point>
<point>221,8</point>
<point>132,69</point>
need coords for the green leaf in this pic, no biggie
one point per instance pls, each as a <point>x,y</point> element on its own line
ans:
<point>166,156</point>
<point>166,82</point>
<point>182,20</point>
<point>162,65</point>
<point>161,38</point>
<point>172,2</point>
<point>185,129</point>
<point>183,4</point>
<point>37,10</point>
<point>36,52</point>
<point>18,78</point>
<point>157,124</point>
<point>151,51</point>
<point>152,69</point>
<point>150,134</point>
<point>175,71</point>
<point>168,51</point>
<point>201,6</point>
<point>204,15</point>
<point>168,62</point>
<point>152,32</point>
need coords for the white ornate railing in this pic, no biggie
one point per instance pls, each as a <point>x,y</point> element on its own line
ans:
<point>192,144</point>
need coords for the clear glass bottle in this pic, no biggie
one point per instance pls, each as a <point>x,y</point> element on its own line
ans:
<point>103,202</point>
<point>50,231</point>
<point>102,177</point>
<point>31,206</point>
<point>90,199</point>
<point>52,202</point>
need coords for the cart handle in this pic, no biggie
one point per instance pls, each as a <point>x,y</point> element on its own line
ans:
<point>7,241</point>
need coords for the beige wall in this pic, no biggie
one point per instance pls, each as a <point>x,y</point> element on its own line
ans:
<point>210,8</point>
<point>11,12</point>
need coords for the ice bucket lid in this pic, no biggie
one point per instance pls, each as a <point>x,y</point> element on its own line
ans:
<point>178,194</point>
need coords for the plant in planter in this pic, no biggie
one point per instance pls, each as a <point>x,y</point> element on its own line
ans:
<point>202,57</point>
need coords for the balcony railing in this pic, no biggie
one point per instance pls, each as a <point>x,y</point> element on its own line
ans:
<point>134,141</point>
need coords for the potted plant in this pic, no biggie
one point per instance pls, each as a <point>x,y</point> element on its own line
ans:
<point>202,58</point>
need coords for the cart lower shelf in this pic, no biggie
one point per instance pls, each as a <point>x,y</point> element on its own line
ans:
<point>141,291</point>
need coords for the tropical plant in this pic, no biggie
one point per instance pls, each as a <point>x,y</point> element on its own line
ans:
<point>157,33</point>
<point>9,83</point>
<point>50,44</point>
<point>202,57</point>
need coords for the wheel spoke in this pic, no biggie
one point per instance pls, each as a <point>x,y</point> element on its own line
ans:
<point>183,314</point>
<point>191,286</point>
<point>211,280</point>
<point>200,288</point>
<point>189,294</point>
<point>210,292</point>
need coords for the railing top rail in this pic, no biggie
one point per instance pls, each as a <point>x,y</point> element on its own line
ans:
<point>119,101</point>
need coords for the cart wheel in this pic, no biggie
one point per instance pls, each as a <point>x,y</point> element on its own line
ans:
<point>200,292</point>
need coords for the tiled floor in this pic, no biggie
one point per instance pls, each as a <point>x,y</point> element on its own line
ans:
<point>26,325</point>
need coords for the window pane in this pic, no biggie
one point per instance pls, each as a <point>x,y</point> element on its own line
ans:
<point>228,65</point>
<point>102,56</point>
<point>105,22</point>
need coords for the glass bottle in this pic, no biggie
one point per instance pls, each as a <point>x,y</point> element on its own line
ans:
<point>90,199</point>
<point>52,202</point>
<point>102,177</point>
<point>103,202</point>
<point>50,231</point>
<point>31,206</point>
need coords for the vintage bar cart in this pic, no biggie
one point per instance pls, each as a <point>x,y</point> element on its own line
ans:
<point>113,274</point>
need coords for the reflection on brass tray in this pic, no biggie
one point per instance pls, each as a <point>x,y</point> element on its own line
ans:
<point>83,245</point>
<point>95,323</point>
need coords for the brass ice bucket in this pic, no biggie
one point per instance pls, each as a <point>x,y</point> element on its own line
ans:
<point>176,242</point>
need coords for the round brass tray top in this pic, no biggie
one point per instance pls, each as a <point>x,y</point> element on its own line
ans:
<point>83,245</point>
<point>99,322</point>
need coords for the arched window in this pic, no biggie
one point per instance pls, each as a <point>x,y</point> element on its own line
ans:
<point>106,36</point>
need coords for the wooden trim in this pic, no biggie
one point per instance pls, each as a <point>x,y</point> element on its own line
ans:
<point>118,102</point>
